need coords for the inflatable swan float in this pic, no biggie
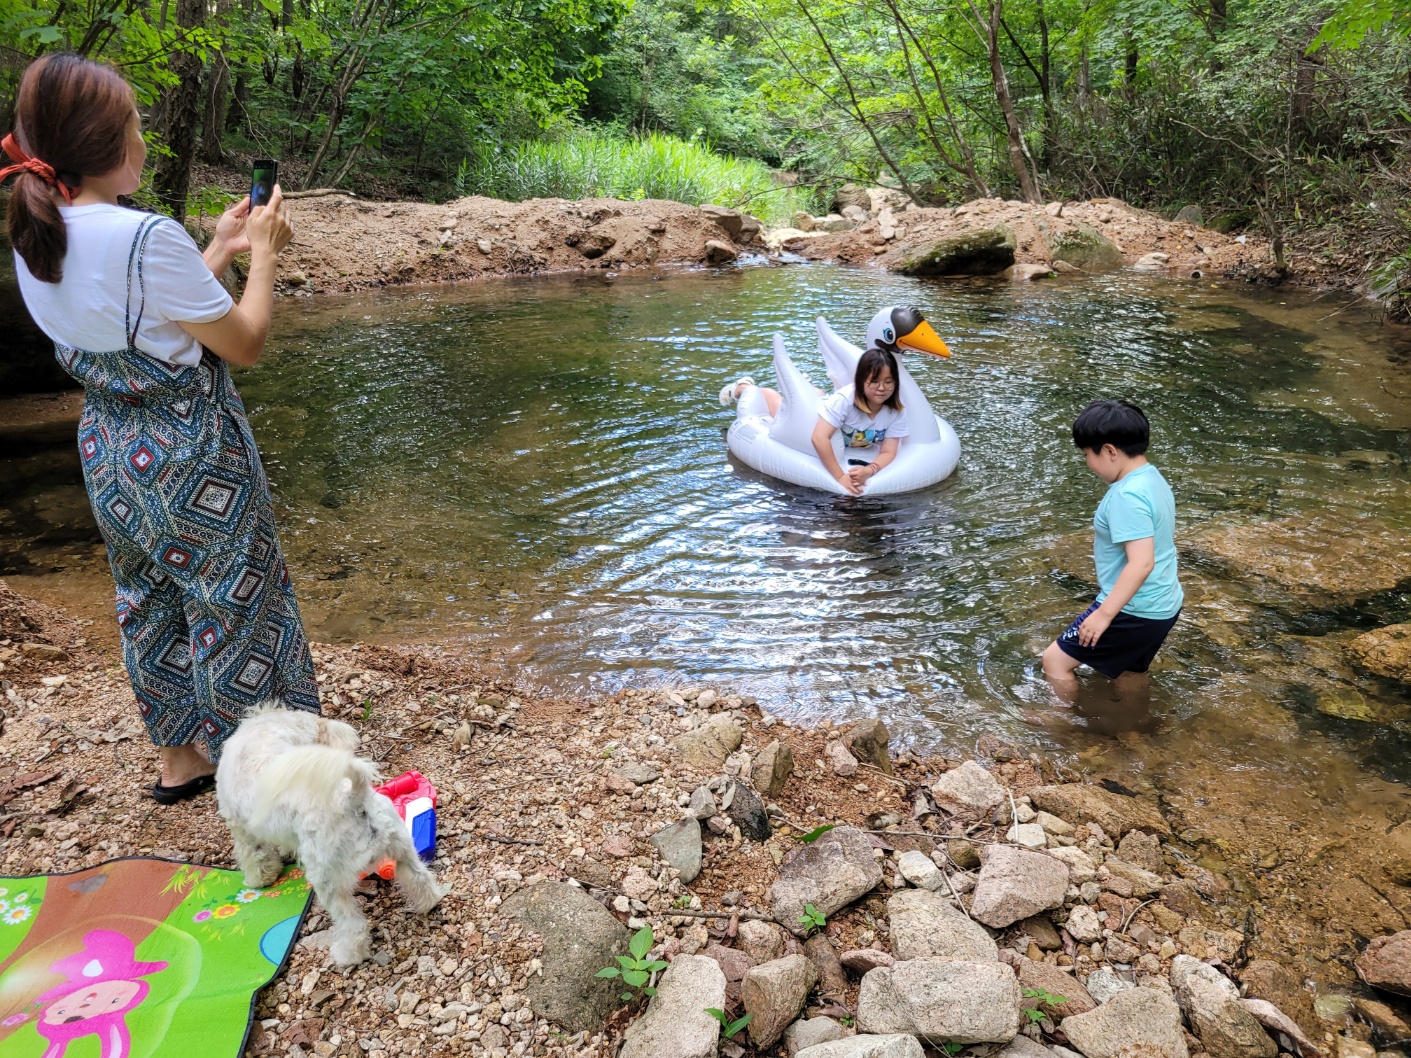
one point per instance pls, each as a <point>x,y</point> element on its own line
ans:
<point>782,446</point>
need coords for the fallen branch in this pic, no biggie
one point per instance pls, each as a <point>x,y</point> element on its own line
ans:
<point>318,192</point>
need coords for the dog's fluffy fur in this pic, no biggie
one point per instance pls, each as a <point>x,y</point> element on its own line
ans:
<point>289,786</point>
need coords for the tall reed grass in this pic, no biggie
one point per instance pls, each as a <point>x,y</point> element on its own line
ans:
<point>594,164</point>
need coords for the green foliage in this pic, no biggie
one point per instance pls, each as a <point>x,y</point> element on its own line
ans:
<point>816,833</point>
<point>812,919</point>
<point>952,1048</point>
<point>635,969</point>
<point>728,1027</point>
<point>589,165</point>
<point>1036,1013</point>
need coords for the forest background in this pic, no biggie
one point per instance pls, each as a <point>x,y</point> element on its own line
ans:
<point>1289,117</point>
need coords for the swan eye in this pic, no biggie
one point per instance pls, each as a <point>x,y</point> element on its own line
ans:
<point>888,334</point>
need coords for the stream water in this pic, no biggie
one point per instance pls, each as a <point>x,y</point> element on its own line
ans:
<point>540,468</point>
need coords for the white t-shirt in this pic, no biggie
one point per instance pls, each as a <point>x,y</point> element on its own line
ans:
<point>84,310</point>
<point>859,429</point>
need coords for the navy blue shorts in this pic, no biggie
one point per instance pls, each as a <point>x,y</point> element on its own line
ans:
<point>1129,644</point>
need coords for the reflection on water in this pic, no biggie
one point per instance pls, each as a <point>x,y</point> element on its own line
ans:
<point>542,467</point>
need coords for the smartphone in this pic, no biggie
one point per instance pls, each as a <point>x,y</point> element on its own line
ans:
<point>262,180</point>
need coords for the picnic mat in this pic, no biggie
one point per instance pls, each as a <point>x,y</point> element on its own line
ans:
<point>139,958</point>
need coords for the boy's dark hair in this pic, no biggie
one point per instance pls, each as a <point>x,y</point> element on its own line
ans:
<point>1112,422</point>
<point>871,364</point>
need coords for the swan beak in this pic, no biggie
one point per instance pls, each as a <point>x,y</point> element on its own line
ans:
<point>924,340</point>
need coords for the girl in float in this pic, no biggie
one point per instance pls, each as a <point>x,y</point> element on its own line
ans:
<point>800,436</point>
<point>207,615</point>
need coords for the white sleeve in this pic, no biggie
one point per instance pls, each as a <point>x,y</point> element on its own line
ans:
<point>176,283</point>
<point>900,427</point>
<point>835,409</point>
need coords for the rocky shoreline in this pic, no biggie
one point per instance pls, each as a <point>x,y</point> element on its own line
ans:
<point>984,905</point>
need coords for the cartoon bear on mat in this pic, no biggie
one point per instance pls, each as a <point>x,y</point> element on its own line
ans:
<point>100,989</point>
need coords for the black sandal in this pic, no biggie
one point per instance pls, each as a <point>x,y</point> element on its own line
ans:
<point>170,795</point>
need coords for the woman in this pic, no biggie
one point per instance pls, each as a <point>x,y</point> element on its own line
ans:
<point>208,618</point>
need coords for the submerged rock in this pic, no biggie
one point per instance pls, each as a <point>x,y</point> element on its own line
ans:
<point>1114,812</point>
<point>829,874</point>
<point>676,1022</point>
<point>1385,652</point>
<point>961,1002</point>
<point>580,938</point>
<point>1281,1026</point>
<point>1271,981</point>
<point>983,252</point>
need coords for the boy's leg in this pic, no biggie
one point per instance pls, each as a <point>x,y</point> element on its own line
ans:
<point>1059,668</point>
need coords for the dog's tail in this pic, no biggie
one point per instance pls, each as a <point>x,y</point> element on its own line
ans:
<point>310,776</point>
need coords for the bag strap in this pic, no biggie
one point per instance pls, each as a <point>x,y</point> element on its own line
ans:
<point>139,244</point>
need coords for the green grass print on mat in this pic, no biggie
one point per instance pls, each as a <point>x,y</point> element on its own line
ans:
<point>138,957</point>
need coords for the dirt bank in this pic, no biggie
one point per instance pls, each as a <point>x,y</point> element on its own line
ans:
<point>566,793</point>
<point>343,244</point>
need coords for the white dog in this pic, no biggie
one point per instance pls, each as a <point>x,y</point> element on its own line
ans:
<point>289,786</point>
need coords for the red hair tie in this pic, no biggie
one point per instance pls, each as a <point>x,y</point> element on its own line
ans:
<point>25,164</point>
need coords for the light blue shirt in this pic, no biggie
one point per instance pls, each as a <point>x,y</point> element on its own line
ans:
<point>1139,505</point>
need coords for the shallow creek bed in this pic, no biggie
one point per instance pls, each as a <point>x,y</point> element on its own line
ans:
<point>994,905</point>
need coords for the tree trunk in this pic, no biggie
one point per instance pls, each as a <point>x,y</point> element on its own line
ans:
<point>182,112</point>
<point>1018,154</point>
<point>235,117</point>
<point>217,102</point>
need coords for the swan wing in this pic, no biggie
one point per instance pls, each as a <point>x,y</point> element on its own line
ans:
<point>801,403</point>
<point>839,355</point>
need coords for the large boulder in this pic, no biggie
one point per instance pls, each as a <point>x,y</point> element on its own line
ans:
<point>1385,652</point>
<point>895,1046</point>
<point>705,748</point>
<point>1016,883</point>
<point>968,790</point>
<point>774,994</point>
<point>1210,1001</point>
<point>1089,249</point>
<point>961,1002</point>
<point>830,874</point>
<point>1386,964</point>
<point>925,924</point>
<point>1115,813</point>
<point>580,938</point>
<point>1139,1021</point>
<point>981,252</point>
<point>676,1022</point>
<point>730,220</point>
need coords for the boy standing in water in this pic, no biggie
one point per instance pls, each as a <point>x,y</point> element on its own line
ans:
<point>1134,549</point>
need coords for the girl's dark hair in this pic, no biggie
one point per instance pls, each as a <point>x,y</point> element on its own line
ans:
<point>869,366</point>
<point>71,113</point>
<point>1112,422</point>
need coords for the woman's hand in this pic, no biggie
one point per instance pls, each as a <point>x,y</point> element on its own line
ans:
<point>861,475</point>
<point>268,228</point>
<point>230,229</point>
<point>853,487</point>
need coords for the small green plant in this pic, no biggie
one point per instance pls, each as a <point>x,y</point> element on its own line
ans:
<point>952,1048</point>
<point>682,902</point>
<point>367,708</point>
<point>816,833</point>
<point>812,918</point>
<point>847,1021</point>
<point>1042,999</point>
<point>636,969</point>
<point>726,1025</point>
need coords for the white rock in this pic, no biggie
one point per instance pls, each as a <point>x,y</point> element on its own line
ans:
<point>894,1046</point>
<point>1016,883</point>
<point>676,1022</point>
<point>1104,984</point>
<point>918,869</point>
<point>1081,867</point>
<point>968,789</point>
<point>1029,835</point>
<point>1084,925</point>
<point>924,925</point>
<point>962,1002</point>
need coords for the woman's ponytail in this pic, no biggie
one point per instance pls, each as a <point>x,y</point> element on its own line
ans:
<point>36,228</point>
<point>71,121</point>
